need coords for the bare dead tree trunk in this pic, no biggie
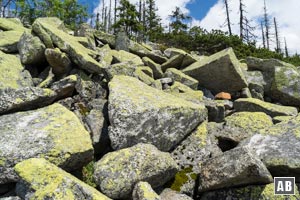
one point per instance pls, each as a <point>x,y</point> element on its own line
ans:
<point>286,49</point>
<point>267,25</point>
<point>278,49</point>
<point>228,18</point>
<point>109,17</point>
<point>263,35</point>
<point>105,19</point>
<point>241,20</point>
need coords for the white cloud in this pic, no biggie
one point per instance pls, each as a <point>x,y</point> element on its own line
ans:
<point>284,11</point>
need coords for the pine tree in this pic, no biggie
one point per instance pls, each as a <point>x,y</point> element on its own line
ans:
<point>178,19</point>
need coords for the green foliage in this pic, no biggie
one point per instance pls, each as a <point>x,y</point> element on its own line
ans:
<point>183,177</point>
<point>87,174</point>
<point>69,11</point>
<point>178,19</point>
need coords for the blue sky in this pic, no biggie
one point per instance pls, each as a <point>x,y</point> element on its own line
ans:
<point>199,8</point>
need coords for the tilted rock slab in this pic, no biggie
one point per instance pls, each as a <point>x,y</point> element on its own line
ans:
<point>53,133</point>
<point>236,167</point>
<point>220,72</point>
<point>48,30</point>
<point>41,179</point>
<point>9,41</point>
<point>144,191</point>
<point>117,172</point>
<point>256,105</point>
<point>141,114</point>
<point>12,74</point>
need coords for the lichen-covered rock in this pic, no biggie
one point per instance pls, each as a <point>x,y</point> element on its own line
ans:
<point>168,194</point>
<point>52,132</point>
<point>220,72</point>
<point>65,87</point>
<point>11,24</point>
<point>256,105</point>
<point>139,113</point>
<point>124,56</point>
<point>264,65</point>
<point>48,30</point>
<point>180,90</point>
<point>105,55</point>
<point>177,75</point>
<point>117,172</point>
<point>258,192</point>
<point>156,68</point>
<point>11,198</point>
<point>174,62</point>
<point>59,61</point>
<point>9,41</point>
<point>12,74</point>
<point>25,99</point>
<point>171,52</point>
<point>31,49</point>
<point>216,110</point>
<point>40,179</point>
<point>286,85</point>
<point>279,119</point>
<point>233,168</point>
<point>144,191</point>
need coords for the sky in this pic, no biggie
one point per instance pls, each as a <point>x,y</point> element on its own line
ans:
<point>210,14</point>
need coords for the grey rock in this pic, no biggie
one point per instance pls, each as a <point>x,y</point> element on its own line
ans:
<point>169,194</point>
<point>216,110</point>
<point>174,62</point>
<point>139,113</point>
<point>65,87</point>
<point>256,105</point>
<point>25,99</point>
<point>156,68</point>
<point>117,172</point>
<point>52,132</point>
<point>144,191</point>
<point>9,41</point>
<point>59,61</point>
<point>236,167</point>
<point>220,72</point>
<point>171,52</point>
<point>124,56</point>
<point>122,40</point>
<point>177,75</point>
<point>31,49</point>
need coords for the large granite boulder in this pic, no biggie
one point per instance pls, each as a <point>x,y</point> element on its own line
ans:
<point>177,75</point>
<point>48,29</point>
<point>25,99</point>
<point>144,191</point>
<point>156,68</point>
<point>139,113</point>
<point>31,49</point>
<point>12,74</point>
<point>256,105</point>
<point>124,56</point>
<point>40,179</point>
<point>9,41</point>
<point>117,173</point>
<point>11,24</point>
<point>59,61</point>
<point>52,132</point>
<point>220,72</point>
<point>236,167</point>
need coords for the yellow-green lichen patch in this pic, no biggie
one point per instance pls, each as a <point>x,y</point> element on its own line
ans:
<point>147,191</point>
<point>11,72</point>
<point>2,161</point>
<point>201,134</point>
<point>9,39</point>
<point>253,121</point>
<point>11,24</point>
<point>182,177</point>
<point>48,181</point>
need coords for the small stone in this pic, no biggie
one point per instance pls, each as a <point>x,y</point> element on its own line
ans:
<point>223,96</point>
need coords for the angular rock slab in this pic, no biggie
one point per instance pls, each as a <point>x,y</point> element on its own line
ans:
<point>279,148</point>
<point>249,193</point>
<point>220,72</point>
<point>12,73</point>
<point>256,105</point>
<point>52,132</point>
<point>40,179</point>
<point>141,114</point>
<point>9,41</point>
<point>117,172</point>
<point>25,99</point>
<point>168,194</point>
<point>177,75</point>
<point>236,167</point>
<point>11,24</point>
<point>144,191</point>
<point>48,30</point>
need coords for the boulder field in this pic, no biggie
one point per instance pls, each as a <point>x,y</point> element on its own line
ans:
<point>90,115</point>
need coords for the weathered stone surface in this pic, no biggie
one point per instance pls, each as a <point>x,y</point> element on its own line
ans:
<point>11,198</point>
<point>117,172</point>
<point>144,191</point>
<point>31,49</point>
<point>236,167</point>
<point>105,55</point>
<point>125,68</point>
<point>124,56</point>
<point>259,192</point>
<point>48,30</point>
<point>169,194</point>
<point>145,74</point>
<point>59,61</point>
<point>40,179</point>
<point>25,99</point>
<point>53,133</point>
<point>156,68</point>
<point>11,24</point>
<point>256,105</point>
<point>182,91</point>
<point>171,52</point>
<point>279,119</point>
<point>286,85</point>
<point>139,113</point>
<point>9,41</point>
<point>12,73</point>
<point>177,75</point>
<point>220,72</point>
<point>65,87</point>
<point>122,40</point>
<point>264,65</point>
<point>216,110</point>
<point>278,148</point>
<point>174,62</point>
